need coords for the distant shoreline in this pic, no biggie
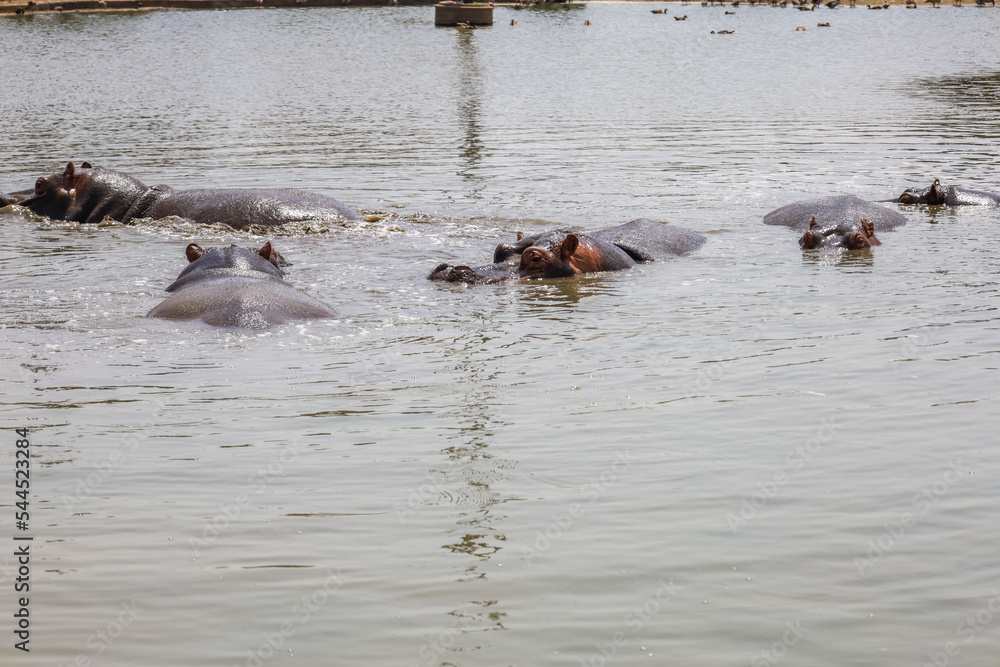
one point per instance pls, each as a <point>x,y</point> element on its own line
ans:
<point>28,7</point>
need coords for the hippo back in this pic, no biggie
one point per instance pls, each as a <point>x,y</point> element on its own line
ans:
<point>959,196</point>
<point>241,208</point>
<point>241,301</point>
<point>648,241</point>
<point>237,287</point>
<point>841,211</point>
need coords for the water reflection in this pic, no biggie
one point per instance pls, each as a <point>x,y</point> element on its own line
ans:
<point>975,98</point>
<point>542,295</point>
<point>469,95</point>
<point>555,7</point>
<point>863,258</point>
<point>979,91</point>
<point>470,472</point>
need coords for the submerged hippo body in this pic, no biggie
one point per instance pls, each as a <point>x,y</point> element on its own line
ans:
<point>554,254</point>
<point>832,212</point>
<point>953,195</point>
<point>89,194</point>
<point>236,287</point>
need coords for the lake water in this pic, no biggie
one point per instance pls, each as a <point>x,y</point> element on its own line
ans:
<point>749,455</point>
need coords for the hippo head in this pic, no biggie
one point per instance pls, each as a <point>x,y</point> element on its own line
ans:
<point>8,200</point>
<point>491,273</point>
<point>508,251</point>
<point>935,195</point>
<point>869,232</point>
<point>58,196</point>
<point>87,194</point>
<point>538,262</point>
<point>838,236</point>
<point>811,239</point>
<point>195,252</point>
<point>231,261</point>
<point>856,241</point>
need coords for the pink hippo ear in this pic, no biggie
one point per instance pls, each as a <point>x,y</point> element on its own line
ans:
<point>193,252</point>
<point>568,246</point>
<point>268,253</point>
<point>71,180</point>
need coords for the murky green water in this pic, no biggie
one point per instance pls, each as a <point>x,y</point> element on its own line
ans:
<point>745,456</point>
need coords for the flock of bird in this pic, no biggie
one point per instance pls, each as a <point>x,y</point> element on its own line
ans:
<point>809,5</point>
<point>801,5</point>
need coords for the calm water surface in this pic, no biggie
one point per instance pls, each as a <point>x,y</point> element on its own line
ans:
<point>749,455</point>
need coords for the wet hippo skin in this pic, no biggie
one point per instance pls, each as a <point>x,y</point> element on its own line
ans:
<point>90,194</point>
<point>237,287</point>
<point>953,195</point>
<point>830,212</point>
<point>555,254</point>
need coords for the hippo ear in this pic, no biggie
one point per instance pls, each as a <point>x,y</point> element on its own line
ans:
<point>193,252</point>
<point>568,247</point>
<point>520,235</point>
<point>812,223</point>
<point>71,180</point>
<point>86,165</point>
<point>268,253</point>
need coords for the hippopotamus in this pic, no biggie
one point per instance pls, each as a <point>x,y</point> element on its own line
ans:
<point>237,287</point>
<point>8,200</point>
<point>563,253</point>
<point>90,194</point>
<point>953,195</point>
<point>841,211</point>
<point>839,237</point>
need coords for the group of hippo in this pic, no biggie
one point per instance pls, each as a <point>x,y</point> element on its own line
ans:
<point>245,288</point>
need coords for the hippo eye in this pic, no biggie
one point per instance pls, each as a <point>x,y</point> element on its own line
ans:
<point>40,185</point>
